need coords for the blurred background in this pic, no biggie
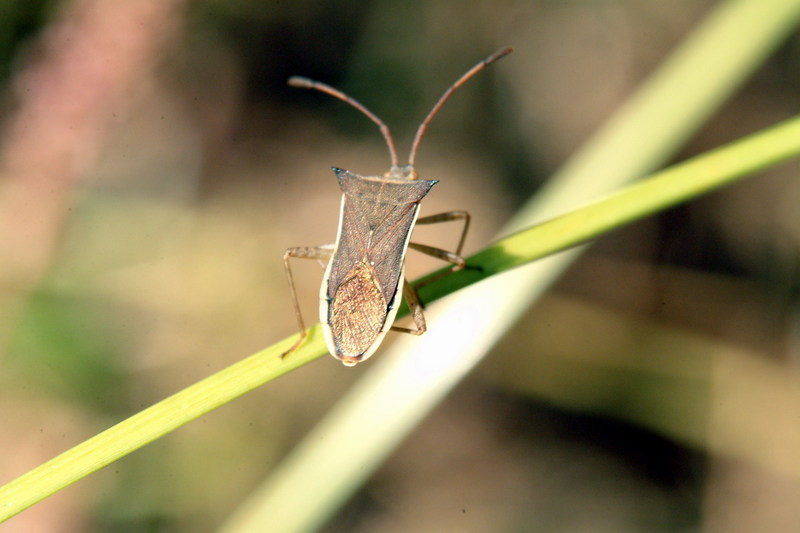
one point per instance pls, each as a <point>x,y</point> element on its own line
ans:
<point>155,165</point>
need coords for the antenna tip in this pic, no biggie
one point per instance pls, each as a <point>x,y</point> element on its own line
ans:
<point>498,55</point>
<point>299,81</point>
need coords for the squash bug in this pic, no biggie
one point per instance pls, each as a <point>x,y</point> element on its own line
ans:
<point>365,274</point>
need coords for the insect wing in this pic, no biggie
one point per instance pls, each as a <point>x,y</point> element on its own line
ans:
<point>364,276</point>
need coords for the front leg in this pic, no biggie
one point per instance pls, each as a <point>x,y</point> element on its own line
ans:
<point>317,253</point>
<point>454,258</point>
<point>457,261</point>
<point>451,257</point>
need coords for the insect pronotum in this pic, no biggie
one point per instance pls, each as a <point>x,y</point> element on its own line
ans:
<point>365,275</point>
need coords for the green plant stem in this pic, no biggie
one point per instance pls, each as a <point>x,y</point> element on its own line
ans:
<point>402,388</point>
<point>663,190</point>
<point>741,33</point>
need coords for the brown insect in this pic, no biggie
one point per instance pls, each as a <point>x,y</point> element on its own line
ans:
<point>365,275</point>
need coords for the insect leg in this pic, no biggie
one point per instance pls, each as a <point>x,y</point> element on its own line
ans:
<point>409,291</point>
<point>317,253</point>
<point>450,257</point>
<point>455,258</point>
<point>415,307</point>
<point>457,261</point>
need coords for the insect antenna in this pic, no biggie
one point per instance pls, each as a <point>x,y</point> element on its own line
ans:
<point>471,72</point>
<point>305,83</point>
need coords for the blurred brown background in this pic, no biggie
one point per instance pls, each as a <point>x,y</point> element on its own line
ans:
<point>155,166</point>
